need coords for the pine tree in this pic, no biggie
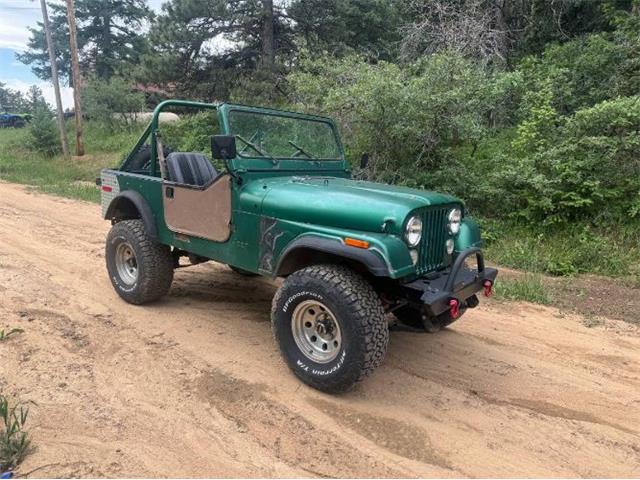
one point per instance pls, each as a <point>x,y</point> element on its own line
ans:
<point>206,47</point>
<point>110,38</point>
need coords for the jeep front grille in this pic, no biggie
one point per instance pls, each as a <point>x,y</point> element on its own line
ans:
<point>432,249</point>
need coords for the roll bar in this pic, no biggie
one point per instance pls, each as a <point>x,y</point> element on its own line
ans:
<point>152,129</point>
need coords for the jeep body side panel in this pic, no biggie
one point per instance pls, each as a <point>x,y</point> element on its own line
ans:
<point>240,249</point>
<point>201,212</point>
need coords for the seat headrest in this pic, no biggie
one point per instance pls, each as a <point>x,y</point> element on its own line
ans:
<point>190,168</point>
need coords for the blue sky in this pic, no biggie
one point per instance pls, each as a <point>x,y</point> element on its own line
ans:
<point>15,17</point>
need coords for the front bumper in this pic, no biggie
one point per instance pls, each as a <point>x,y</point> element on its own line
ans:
<point>434,293</point>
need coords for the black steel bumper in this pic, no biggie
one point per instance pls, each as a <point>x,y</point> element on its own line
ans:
<point>435,292</point>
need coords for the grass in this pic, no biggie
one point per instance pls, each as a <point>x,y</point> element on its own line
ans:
<point>72,178</point>
<point>14,440</point>
<point>529,288</point>
<point>590,321</point>
<point>566,251</point>
<point>5,335</point>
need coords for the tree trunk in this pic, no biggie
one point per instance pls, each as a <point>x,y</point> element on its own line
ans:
<point>107,55</point>
<point>268,54</point>
<point>75,72</point>
<point>54,79</point>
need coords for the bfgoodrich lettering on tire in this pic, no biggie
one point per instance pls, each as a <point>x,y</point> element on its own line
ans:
<point>330,326</point>
<point>140,269</point>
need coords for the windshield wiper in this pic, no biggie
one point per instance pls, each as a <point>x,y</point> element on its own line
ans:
<point>301,150</point>
<point>252,145</point>
<point>255,134</point>
<point>256,148</point>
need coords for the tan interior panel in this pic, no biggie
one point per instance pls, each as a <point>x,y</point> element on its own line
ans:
<point>200,212</point>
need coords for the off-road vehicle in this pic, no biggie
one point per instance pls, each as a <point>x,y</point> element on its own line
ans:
<point>285,205</point>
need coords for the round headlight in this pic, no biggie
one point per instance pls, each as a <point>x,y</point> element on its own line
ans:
<point>450,246</point>
<point>413,232</point>
<point>455,217</point>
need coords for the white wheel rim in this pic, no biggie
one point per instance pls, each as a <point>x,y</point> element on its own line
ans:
<point>316,331</point>
<point>126,263</point>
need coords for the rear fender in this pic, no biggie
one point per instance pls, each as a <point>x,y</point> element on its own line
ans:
<point>130,204</point>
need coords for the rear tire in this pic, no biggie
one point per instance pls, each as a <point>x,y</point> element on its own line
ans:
<point>140,269</point>
<point>330,326</point>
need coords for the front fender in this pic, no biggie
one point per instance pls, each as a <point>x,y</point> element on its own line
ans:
<point>469,236</point>
<point>386,256</point>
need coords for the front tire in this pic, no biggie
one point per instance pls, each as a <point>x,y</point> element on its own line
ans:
<point>330,326</point>
<point>140,269</point>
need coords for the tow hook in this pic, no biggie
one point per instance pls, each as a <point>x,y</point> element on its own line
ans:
<point>455,308</point>
<point>488,288</point>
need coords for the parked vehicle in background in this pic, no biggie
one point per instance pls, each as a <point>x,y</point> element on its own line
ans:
<point>13,120</point>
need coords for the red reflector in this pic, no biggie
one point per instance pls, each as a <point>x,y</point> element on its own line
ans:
<point>455,308</point>
<point>488,288</point>
<point>106,188</point>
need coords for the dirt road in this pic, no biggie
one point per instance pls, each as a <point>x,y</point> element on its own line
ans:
<point>194,385</point>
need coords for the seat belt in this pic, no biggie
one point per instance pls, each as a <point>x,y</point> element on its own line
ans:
<point>161,160</point>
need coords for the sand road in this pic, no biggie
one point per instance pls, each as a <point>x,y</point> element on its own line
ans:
<point>194,385</point>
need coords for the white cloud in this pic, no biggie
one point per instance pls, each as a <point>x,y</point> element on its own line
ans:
<point>13,37</point>
<point>66,93</point>
<point>14,21</point>
<point>17,15</point>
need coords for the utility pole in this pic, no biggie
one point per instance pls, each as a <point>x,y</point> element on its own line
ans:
<point>54,79</point>
<point>75,75</point>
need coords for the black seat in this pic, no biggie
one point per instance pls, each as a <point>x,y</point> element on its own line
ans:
<point>190,168</point>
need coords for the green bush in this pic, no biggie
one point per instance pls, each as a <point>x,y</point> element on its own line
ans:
<point>574,155</point>
<point>405,118</point>
<point>111,102</point>
<point>192,133</point>
<point>583,167</point>
<point>45,138</point>
<point>553,142</point>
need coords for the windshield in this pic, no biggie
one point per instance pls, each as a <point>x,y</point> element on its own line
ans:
<point>283,137</point>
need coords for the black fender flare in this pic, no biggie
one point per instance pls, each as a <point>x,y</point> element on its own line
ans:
<point>120,208</point>
<point>373,262</point>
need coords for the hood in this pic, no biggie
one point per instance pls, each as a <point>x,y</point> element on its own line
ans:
<point>345,203</point>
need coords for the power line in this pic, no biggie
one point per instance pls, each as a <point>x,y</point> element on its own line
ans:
<point>4,7</point>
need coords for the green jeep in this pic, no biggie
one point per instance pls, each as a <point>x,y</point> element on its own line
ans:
<point>285,205</point>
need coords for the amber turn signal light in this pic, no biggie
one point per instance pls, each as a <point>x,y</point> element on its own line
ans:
<point>354,242</point>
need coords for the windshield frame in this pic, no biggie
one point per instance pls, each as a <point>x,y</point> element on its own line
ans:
<point>251,160</point>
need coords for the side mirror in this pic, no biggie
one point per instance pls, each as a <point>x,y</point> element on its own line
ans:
<point>364,160</point>
<point>223,146</point>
